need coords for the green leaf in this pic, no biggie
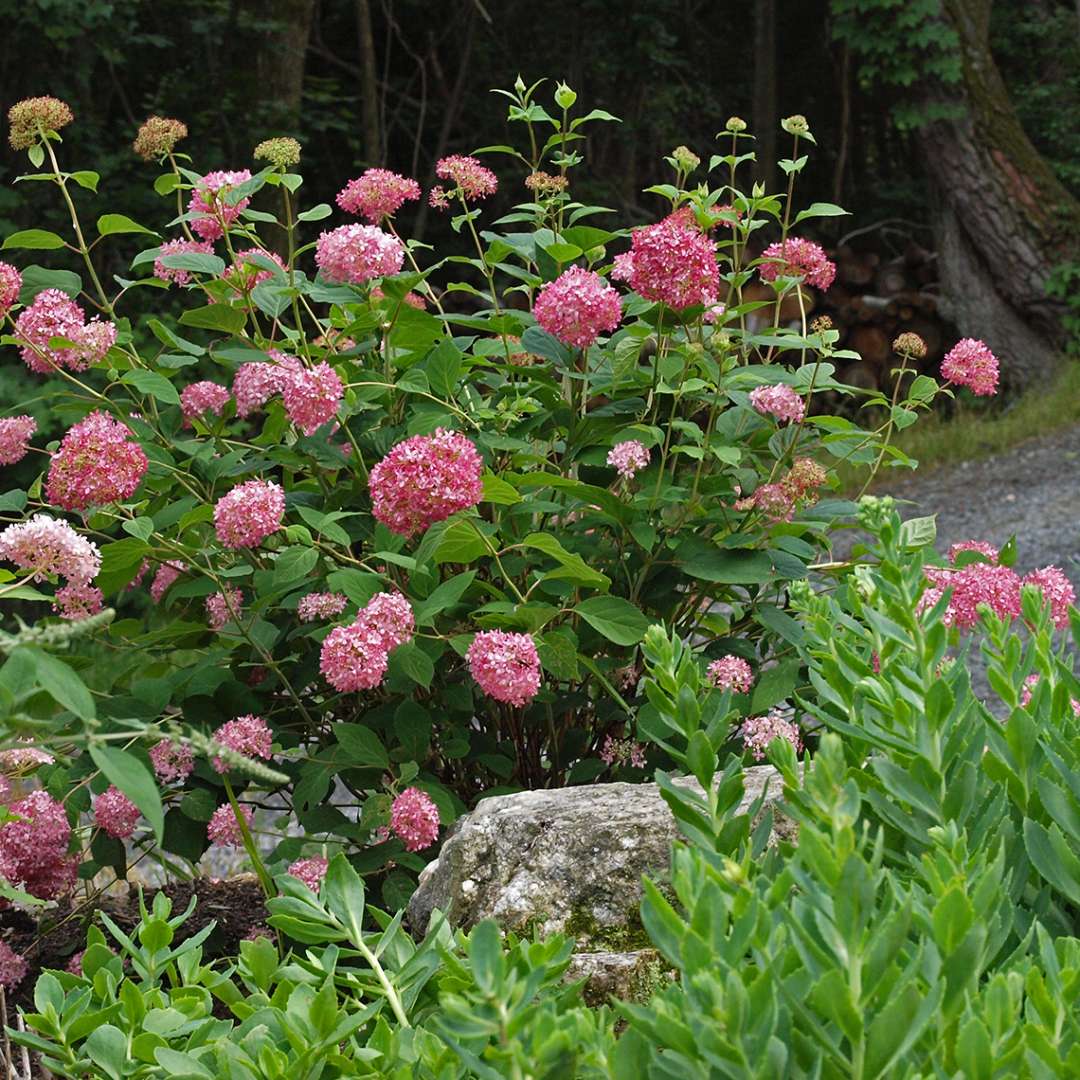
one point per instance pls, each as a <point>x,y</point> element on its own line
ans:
<point>134,779</point>
<point>617,619</point>
<point>738,566</point>
<point>197,262</point>
<point>107,1047</point>
<point>343,894</point>
<point>574,567</point>
<point>442,597</point>
<point>485,956</point>
<point>774,685</point>
<point>361,746</point>
<point>498,491</point>
<point>416,663</point>
<point>293,564</point>
<point>952,919</point>
<point>316,213</point>
<point>460,543</point>
<point>150,382</point>
<point>1052,855</point>
<point>61,683</point>
<point>33,240</point>
<point>109,224</point>
<point>86,178</point>
<point>141,527</point>
<point>36,278</point>
<point>230,320</point>
<point>821,209</point>
<point>443,367</point>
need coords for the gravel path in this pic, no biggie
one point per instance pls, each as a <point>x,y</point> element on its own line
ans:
<point>1032,491</point>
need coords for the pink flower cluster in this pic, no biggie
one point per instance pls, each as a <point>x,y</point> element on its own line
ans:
<point>10,286</point>
<point>320,605</point>
<point>1026,694</point>
<point>970,363</point>
<point>779,400</point>
<point>172,761</point>
<point>377,193</point>
<point>165,575</point>
<point>506,666</point>
<point>622,752</point>
<point>671,262</point>
<point>1057,591</point>
<point>467,175</point>
<point>577,307</point>
<point>626,458</point>
<point>223,607</point>
<point>33,849</point>
<point>245,273</point>
<point>249,513</point>
<point>53,314</point>
<point>255,384</point>
<point>414,819</point>
<point>731,673</point>
<point>115,813</point>
<point>15,432</point>
<point>988,551</point>
<point>358,253</point>
<point>425,479</point>
<point>13,967</point>
<point>224,829</point>
<point>355,657</point>
<point>310,871</point>
<point>95,465</point>
<point>798,258</point>
<point>247,735</point>
<point>758,731</point>
<point>179,247</point>
<point>203,397</point>
<point>78,600</point>
<point>46,546</point>
<point>311,395</point>
<point>214,216</point>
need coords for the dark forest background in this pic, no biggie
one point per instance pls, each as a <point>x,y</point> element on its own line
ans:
<point>951,127</point>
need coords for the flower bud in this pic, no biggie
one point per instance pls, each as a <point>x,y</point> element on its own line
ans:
<point>157,137</point>
<point>31,114</point>
<point>795,125</point>
<point>685,158</point>
<point>735,123</point>
<point>564,96</point>
<point>519,85</point>
<point>821,324</point>
<point>909,344</point>
<point>281,152</point>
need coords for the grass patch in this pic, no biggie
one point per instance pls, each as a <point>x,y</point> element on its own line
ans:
<point>972,432</point>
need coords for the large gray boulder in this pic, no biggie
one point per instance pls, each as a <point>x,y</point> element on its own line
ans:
<point>567,861</point>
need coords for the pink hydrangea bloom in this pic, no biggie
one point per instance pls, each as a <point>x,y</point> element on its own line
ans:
<point>377,193</point>
<point>15,432</point>
<point>354,657</point>
<point>426,479</point>
<point>413,299</point>
<point>358,253</point>
<point>310,871</point>
<point>172,761</point>
<point>207,200</point>
<point>47,546</point>
<point>1056,589</point>
<point>970,363</point>
<point>203,397</point>
<point>1026,694</point>
<point>247,735</point>
<point>758,731</point>
<point>731,673</point>
<point>53,314</point>
<point>96,464</point>
<point>13,967</point>
<point>5,790</point>
<point>312,396</point>
<point>414,819</point>
<point>626,458</point>
<point>78,600</point>
<point>320,605</point>
<point>622,752</point>
<point>988,550</point>
<point>166,574</point>
<point>779,400</point>
<point>179,247</point>
<point>577,307</point>
<point>224,828</point>
<point>474,180</point>
<point>255,384</point>
<point>74,965</point>
<point>390,615</point>
<point>672,263</point>
<point>10,285</point>
<point>245,273</point>
<point>28,758</point>
<point>798,258</point>
<point>775,501</point>
<point>249,513</point>
<point>438,198</point>
<point>506,666</point>
<point>981,583</point>
<point>218,611</point>
<point>33,850</point>
<point>115,813</point>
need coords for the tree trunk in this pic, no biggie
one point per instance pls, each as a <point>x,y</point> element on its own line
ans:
<point>279,57</point>
<point>764,118</point>
<point>369,87</point>
<point>1003,219</point>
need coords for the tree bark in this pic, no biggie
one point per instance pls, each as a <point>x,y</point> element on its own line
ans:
<point>369,85</point>
<point>280,50</point>
<point>764,118</point>
<point>1003,219</point>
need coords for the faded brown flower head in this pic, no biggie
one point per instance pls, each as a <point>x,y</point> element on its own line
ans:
<point>735,123</point>
<point>157,137</point>
<point>281,152</point>
<point>821,324</point>
<point>909,344</point>
<point>685,158</point>
<point>795,125</point>
<point>26,117</point>
<point>542,183</point>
